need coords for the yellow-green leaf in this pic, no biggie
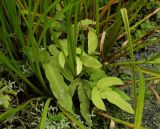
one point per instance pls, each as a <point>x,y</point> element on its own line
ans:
<point>79,65</point>
<point>53,50</point>
<point>87,86</point>
<point>66,72</point>
<point>92,41</point>
<point>61,59</point>
<point>73,86</point>
<point>140,104</point>
<point>90,61</point>
<point>78,50</point>
<point>55,25</point>
<point>58,86</point>
<point>108,81</point>
<point>97,100</point>
<point>86,23</point>
<point>84,104</point>
<point>121,93</point>
<point>116,99</point>
<point>64,46</point>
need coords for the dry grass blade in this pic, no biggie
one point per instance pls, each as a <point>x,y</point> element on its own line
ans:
<point>155,92</point>
<point>110,3</point>
<point>102,43</point>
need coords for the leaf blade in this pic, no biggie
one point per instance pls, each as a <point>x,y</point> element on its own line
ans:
<point>44,114</point>
<point>90,61</point>
<point>84,104</point>
<point>108,82</point>
<point>92,41</point>
<point>116,99</point>
<point>13,111</point>
<point>58,86</point>
<point>97,100</point>
<point>79,65</point>
<point>140,104</point>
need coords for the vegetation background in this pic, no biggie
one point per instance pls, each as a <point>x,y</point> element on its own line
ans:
<point>79,64</point>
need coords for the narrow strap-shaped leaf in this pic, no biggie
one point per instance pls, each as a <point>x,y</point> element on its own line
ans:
<point>35,50</point>
<point>70,5</point>
<point>6,61</point>
<point>126,24</point>
<point>88,88</point>
<point>44,115</point>
<point>13,111</point>
<point>84,103</point>
<point>97,17</point>
<point>140,104</point>
<point>44,14</point>
<point>11,10</point>
<point>150,72</point>
<point>73,86</point>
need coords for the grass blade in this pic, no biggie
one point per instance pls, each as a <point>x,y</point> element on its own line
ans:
<point>145,18</point>
<point>44,115</point>
<point>64,10</point>
<point>45,13</point>
<point>126,24</point>
<point>35,50</point>
<point>13,111</point>
<point>10,67</point>
<point>114,31</point>
<point>140,104</point>
<point>75,32</point>
<point>11,10</point>
<point>72,118</point>
<point>97,17</point>
<point>70,40</point>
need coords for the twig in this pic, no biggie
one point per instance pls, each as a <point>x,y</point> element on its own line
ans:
<point>145,18</point>
<point>130,125</point>
<point>101,43</point>
<point>72,118</point>
<point>155,92</point>
<point>107,6</point>
<point>147,79</point>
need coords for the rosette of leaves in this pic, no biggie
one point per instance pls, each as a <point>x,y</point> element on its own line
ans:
<point>64,84</point>
<point>57,71</point>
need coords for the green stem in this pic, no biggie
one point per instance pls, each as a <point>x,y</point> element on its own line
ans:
<point>135,63</point>
<point>130,125</point>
